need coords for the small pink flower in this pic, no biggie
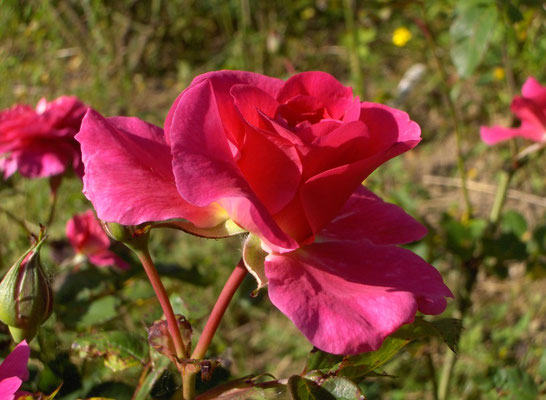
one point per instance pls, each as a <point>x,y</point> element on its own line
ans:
<point>13,371</point>
<point>284,160</point>
<point>89,239</point>
<point>530,108</point>
<point>40,142</point>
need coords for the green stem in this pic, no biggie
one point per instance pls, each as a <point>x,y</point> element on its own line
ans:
<point>445,377</point>
<point>189,374</point>
<point>454,114</point>
<point>432,371</point>
<point>188,384</point>
<point>515,164</point>
<point>354,59</point>
<point>500,196</point>
<point>17,220</point>
<point>162,296</point>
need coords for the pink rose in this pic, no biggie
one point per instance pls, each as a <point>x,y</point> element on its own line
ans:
<point>530,108</point>
<point>89,239</point>
<point>284,161</point>
<point>40,142</point>
<point>13,371</point>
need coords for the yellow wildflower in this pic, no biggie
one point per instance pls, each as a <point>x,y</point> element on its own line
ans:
<point>498,73</point>
<point>401,36</point>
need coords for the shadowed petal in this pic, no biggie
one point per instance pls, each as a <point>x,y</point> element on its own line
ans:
<point>366,216</point>
<point>346,297</point>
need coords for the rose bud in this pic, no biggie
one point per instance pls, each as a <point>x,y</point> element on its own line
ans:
<point>26,298</point>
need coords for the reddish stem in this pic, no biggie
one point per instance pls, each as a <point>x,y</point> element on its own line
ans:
<point>161,293</point>
<point>231,286</point>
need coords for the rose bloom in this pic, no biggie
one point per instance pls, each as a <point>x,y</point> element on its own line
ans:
<point>40,142</point>
<point>88,239</point>
<point>13,371</point>
<point>530,108</point>
<point>283,160</point>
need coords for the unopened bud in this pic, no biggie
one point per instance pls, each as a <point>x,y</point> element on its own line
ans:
<point>134,237</point>
<point>26,298</point>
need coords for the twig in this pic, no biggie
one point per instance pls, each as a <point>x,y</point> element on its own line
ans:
<point>486,188</point>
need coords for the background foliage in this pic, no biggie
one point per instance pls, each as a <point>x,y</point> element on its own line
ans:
<point>133,57</point>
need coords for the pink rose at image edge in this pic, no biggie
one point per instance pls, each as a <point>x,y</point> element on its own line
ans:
<point>530,108</point>
<point>284,160</point>
<point>13,371</point>
<point>40,142</point>
<point>89,239</point>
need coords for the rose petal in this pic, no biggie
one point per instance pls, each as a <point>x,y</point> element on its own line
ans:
<point>222,82</point>
<point>343,145</point>
<point>250,100</point>
<point>107,258</point>
<point>390,133</point>
<point>533,90</point>
<point>85,233</point>
<point>366,216</point>
<point>128,175</point>
<point>346,297</point>
<point>205,170</point>
<point>15,364</point>
<point>495,134</point>
<point>9,386</point>
<point>320,85</point>
<point>42,158</point>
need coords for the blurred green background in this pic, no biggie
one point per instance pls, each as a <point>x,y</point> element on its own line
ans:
<point>131,57</point>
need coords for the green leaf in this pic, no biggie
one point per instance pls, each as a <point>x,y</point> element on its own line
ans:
<point>304,389</point>
<point>447,329</point>
<point>470,32</point>
<point>514,14</point>
<point>321,361</point>
<point>248,393</point>
<point>514,383</point>
<point>461,238</point>
<point>513,222</point>
<point>507,246</point>
<point>159,367</point>
<point>100,311</point>
<point>120,350</point>
<point>359,366</point>
<point>343,389</point>
<point>450,331</point>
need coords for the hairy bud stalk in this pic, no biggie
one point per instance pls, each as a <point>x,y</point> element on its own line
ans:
<point>26,298</point>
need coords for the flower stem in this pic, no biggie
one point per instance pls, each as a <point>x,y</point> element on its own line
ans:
<point>231,286</point>
<point>161,293</point>
<point>54,183</point>
<point>500,196</point>
<point>17,220</point>
<point>354,58</point>
<point>189,374</point>
<point>455,117</point>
